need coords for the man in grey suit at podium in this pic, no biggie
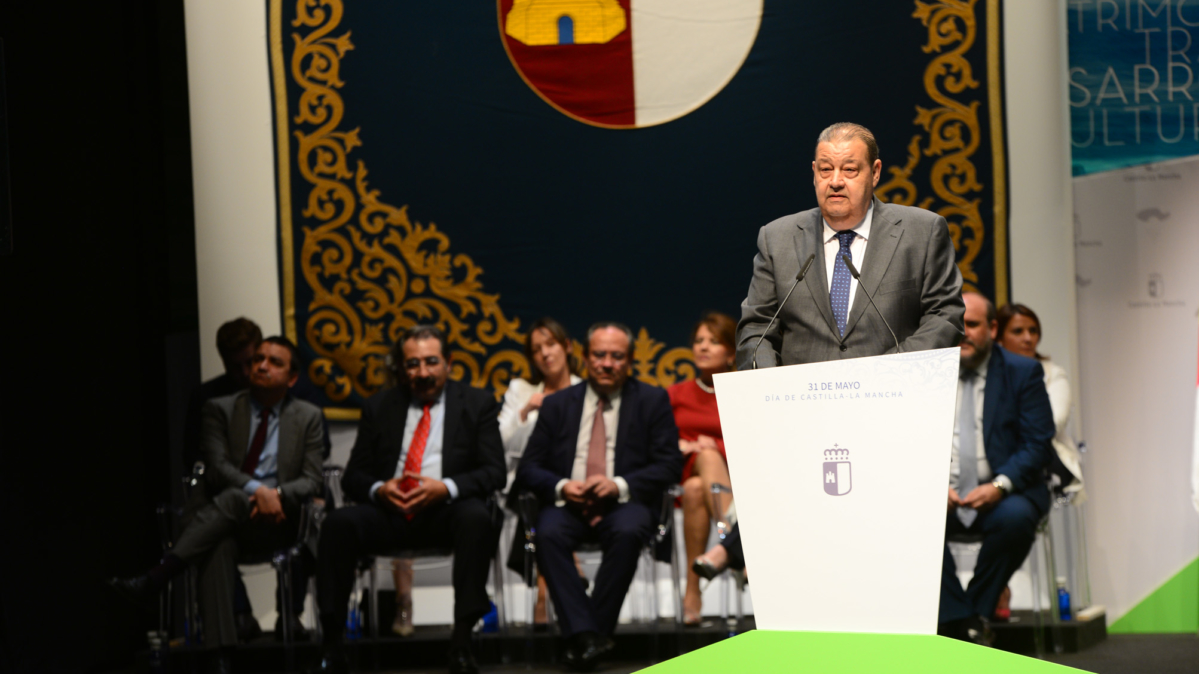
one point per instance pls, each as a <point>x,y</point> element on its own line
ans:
<point>905,259</point>
<point>904,254</point>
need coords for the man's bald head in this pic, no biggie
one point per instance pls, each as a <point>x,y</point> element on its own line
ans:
<point>980,325</point>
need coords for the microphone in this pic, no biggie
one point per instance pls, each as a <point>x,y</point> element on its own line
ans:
<point>862,286</point>
<point>799,277</point>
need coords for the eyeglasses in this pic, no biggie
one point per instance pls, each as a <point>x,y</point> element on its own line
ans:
<point>414,363</point>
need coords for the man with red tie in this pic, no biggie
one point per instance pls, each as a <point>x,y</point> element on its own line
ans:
<point>599,459</point>
<point>426,461</point>
<point>262,453</point>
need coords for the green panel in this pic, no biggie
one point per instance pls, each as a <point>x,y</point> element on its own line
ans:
<point>1173,607</point>
<point>846,653</point>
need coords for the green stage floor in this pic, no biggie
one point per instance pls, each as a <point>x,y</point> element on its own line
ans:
<point>847,653</point>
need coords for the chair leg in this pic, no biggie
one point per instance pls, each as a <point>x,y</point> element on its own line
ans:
<point>373,599</point>
<point>676,583</point>
<point>1051,583</point>
<point>1034,573</point>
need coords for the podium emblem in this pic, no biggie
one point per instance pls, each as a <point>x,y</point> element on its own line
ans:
<point>838,479</point>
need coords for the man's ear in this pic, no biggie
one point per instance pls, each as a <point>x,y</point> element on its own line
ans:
<point>295,377</point>
<point>994,330</point>
<point>877,170</point>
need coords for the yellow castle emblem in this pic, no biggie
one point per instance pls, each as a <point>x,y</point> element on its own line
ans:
<point>541,22</point>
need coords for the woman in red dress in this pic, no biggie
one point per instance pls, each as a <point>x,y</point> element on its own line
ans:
<point>700,439</point>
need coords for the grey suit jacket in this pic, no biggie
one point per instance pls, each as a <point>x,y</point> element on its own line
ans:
<point>909,270</point>
<point>225,439</point>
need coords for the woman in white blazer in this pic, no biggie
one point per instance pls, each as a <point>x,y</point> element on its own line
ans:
<point>552,367</point>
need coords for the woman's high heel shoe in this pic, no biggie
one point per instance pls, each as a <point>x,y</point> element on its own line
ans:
<point>705,569</point>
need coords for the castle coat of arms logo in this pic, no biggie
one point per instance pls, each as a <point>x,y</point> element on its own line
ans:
<point>838,478</point>
<point>628,63</point>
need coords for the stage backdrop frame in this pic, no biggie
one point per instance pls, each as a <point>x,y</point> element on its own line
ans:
<point>356,270</point>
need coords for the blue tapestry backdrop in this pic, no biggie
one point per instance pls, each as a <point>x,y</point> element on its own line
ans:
<point>432,169</point>
<point>1132,82</point>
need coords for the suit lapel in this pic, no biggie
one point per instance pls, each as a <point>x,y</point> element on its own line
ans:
<point>992,392</point>
<point>628,403</point>
<point>451,422</point>
<point>574,420</point>
<point>808,242</point>
<point>239,429</point>
<point>885,233</point>
<point>287,440</point>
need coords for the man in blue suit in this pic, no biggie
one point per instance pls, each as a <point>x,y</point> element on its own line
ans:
<point>997,484</point>
<point>600,456</point>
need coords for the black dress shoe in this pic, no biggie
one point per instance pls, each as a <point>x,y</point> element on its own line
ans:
<point>219,663</point>
<point>462,661</point>
<point>135,591</point>
<point>298,631</point>
<point>247,627</point>
<point>585,650</point>
<point>332,662</point>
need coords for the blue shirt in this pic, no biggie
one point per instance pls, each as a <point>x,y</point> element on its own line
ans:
<point>431,460</point>
<point>267,472</point>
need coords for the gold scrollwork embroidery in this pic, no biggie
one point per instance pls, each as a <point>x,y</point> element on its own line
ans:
<point>953,133</point>
<point>372,270</point>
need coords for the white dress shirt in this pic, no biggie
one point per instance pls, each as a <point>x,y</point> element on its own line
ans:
<point>430,465</point>
<point>578,471</point>
<point>984,466</point>
<point>857,250</point>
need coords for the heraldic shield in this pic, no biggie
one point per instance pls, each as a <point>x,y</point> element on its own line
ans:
<point>838,478</point>
<point>628,63</point>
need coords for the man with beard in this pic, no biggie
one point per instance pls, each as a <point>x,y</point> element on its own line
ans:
<point>426,461</point>
<point>600,456</point>
<point>1002,444</point>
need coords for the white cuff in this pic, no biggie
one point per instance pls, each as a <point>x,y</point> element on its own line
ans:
<point>624,489</point>
<point>558,500</point>
<point>374,488</point>
<point>1005,482</point>
<point>251,487</point>
<point>451,487</point>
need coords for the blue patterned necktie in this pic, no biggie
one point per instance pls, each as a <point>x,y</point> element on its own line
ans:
<point>839,293</point>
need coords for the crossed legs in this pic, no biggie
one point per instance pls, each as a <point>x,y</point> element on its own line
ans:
<point>699,507</point>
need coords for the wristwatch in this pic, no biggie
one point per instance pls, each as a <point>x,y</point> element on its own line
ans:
<point>999,485</point>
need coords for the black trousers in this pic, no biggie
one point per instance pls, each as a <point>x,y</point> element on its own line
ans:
<point>622,534</point>
<point>220,534</point>
<point>732,546</point>
<point>1008,530</point>
<point>466,526</point>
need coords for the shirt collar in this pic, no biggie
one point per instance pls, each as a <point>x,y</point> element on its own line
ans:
<point>862,229</point>
<point>418,404</point>
<point>981,370</point>
<point>592,393</point>
<point>275,409</point>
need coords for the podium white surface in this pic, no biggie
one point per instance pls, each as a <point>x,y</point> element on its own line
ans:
<point>840,472</point>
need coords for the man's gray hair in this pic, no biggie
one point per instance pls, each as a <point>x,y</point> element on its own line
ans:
<point>849,130</point>
<point>608,324</point>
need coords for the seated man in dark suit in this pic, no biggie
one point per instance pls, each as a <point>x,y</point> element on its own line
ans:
<point>997,483</point>
<point>262,449</point>
<point>600,456</point>
<point>427,458</point>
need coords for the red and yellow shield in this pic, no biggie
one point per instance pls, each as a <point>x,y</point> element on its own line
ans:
<point>628,63</point>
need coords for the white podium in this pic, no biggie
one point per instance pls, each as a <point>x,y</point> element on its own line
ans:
<point>840,471</point>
